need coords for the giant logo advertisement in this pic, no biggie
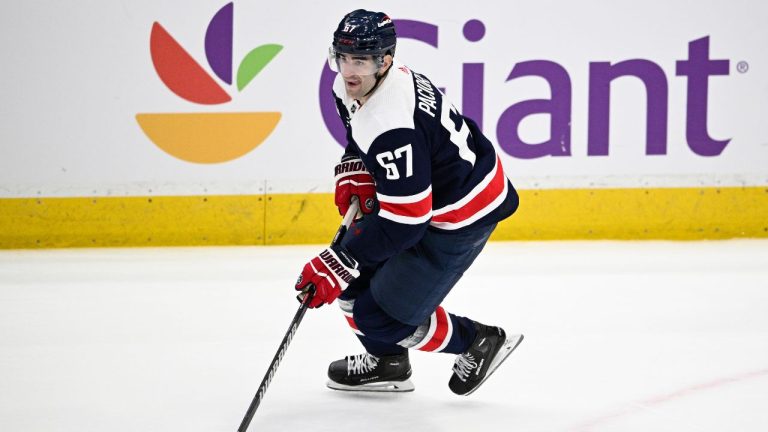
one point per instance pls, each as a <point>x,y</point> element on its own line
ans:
<point>232,97</point>
<point>209,137</point>
<point>698,69</point>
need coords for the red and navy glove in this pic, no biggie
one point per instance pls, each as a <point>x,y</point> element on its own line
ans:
<point>352,179</point>
<point>330,272</point>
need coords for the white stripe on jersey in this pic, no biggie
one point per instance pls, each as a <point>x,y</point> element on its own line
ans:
<point>487,209</point>
<point>408,220</point>
<point>472,194</point>
<point>410,209</point>
<point>404,199</point>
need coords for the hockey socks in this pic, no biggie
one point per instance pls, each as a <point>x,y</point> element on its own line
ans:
<point>381,335</point>
<point>385,366</point>
<point>442,332</point>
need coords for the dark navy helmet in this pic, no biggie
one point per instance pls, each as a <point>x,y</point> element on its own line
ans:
<point>365,32</point>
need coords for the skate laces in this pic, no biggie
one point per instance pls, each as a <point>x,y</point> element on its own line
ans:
<point>464,365</point>
<point>361,363</point>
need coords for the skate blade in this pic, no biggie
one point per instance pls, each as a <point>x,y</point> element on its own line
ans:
<point>506,349</point>
<point>379,387</point>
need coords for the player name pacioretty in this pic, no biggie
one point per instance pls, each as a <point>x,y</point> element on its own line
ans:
<point>425,95</point>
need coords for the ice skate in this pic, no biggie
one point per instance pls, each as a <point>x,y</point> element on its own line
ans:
<point>366,372</point>
<point>491,347</point>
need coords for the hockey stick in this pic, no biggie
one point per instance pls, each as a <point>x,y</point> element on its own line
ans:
<point>348,218</point>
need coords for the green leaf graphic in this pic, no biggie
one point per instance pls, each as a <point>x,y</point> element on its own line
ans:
<point>254,62</point>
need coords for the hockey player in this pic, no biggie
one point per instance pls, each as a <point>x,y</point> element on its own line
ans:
<point>431,190</point>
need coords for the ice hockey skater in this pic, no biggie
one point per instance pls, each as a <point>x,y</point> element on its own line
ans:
<point>431,191</point>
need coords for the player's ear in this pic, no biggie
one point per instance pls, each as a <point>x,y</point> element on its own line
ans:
<point>387,62</point>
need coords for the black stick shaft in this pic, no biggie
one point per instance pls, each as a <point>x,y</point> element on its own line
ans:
<point>275,363</point>
<point>348,218</point>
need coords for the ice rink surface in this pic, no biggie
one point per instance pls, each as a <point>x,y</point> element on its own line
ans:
<point>619,336</point>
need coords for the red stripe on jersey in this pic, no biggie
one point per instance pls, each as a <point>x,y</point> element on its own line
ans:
<point>480,201</point>
<point>413,209</point>
<point>441,330</point>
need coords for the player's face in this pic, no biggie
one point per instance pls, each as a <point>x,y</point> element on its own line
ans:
<point>355,64</point>
<point>359,72</point>
<point>356,85</point>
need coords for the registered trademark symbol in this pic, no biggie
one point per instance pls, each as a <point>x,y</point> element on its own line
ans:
<point>742,67</point>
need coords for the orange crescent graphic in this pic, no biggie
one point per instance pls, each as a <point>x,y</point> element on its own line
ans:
<point>208,137</point>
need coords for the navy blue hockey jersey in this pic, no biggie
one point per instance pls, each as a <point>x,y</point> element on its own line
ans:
<point>433,167</point>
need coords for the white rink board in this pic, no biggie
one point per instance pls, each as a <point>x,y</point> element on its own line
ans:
<point>75,76</point>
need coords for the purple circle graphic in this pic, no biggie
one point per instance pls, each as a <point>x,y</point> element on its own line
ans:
<point>474,30</point>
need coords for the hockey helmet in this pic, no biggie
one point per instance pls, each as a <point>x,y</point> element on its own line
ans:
<point>363,33</point>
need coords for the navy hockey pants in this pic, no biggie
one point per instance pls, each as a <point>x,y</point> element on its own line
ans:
<point>397,305</point>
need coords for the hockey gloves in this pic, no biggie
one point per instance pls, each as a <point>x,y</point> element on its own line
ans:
<point>330,272</point>
<point>352,179</point>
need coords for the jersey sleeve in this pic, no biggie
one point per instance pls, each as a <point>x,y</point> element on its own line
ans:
<point>400,164</point>
<point>350,152</point>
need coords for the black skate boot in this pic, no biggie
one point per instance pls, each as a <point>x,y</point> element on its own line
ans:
<point>491,347</point>
<point>366,372</point>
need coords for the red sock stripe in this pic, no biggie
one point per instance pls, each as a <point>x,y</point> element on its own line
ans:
<point>441,331</point>
<point>351,322</point>
<point>352,325</point>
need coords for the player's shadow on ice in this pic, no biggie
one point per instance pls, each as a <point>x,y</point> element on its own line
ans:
<point>379,412</point>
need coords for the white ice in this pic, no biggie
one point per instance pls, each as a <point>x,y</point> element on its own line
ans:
<point>619,336</point>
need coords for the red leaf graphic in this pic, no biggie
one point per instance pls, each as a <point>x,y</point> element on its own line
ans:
<point>180,72</point>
